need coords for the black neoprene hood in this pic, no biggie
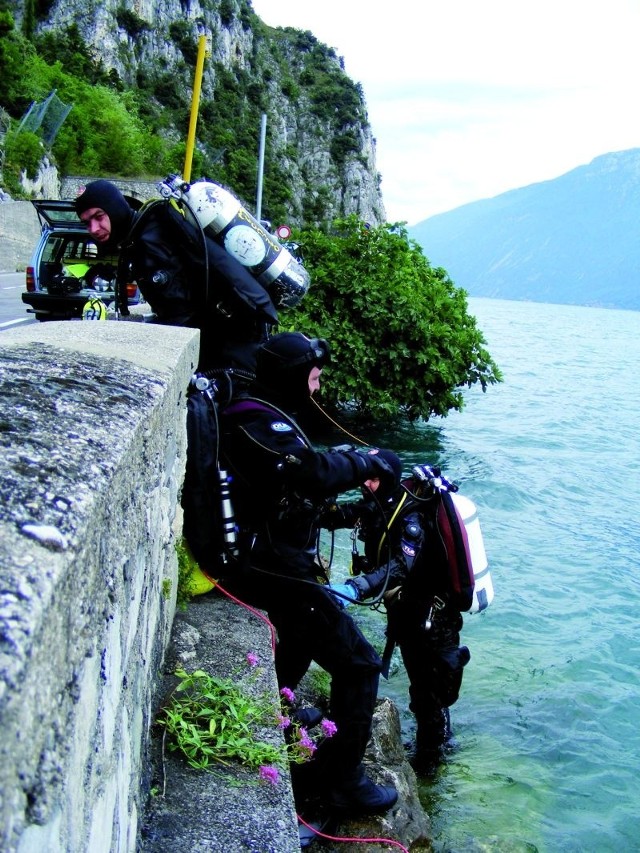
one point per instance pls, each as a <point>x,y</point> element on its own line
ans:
<point>106,196</point>
<point>284,362</point>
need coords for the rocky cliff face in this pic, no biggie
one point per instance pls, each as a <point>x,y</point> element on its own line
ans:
<point>320,149</point>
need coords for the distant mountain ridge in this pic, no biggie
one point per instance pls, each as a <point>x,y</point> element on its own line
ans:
<point>571,240</point>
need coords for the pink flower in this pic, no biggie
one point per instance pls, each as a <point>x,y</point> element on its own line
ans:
<point>269,774</point>
<point>288,695</point>
<point>328,728</point>
<point>305,747</point>
<point>283,722</point>
<point>252,659</point>
<point>305,741</point>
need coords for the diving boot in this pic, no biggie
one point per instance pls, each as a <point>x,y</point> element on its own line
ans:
<point>307,717</point>
<point>433,735</point>
<point>360,796</point>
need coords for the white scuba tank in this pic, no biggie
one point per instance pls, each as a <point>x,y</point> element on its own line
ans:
<point>483,589</point>
<point>223,218</point>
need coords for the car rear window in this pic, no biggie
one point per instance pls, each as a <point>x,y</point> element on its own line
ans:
<point>65,248</point>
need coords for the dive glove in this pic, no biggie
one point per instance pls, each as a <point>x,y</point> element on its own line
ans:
<point>355,589</point>
<point>369,464</point>
<point>347,592</point>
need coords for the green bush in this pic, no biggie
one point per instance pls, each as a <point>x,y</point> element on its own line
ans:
<point>182,35</point>
<point>227,11</point>
<point>130,22</point>
<point>402,340</point>
<point>23,152</point>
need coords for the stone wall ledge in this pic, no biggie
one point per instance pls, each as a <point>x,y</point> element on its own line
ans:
<point>92,455</point>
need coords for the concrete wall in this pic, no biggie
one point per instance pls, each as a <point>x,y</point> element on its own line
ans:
<point>19,233</point>
<point>92,454</point>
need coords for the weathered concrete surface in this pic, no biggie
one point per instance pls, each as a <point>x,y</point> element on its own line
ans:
<point>228,811</point>
<point>19,233</point>
<point>92,453</point>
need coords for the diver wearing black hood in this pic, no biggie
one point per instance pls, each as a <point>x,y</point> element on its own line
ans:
<point>404,561</point>
<point>278,488</point>
<point>186,277</point>
<point>283,364</point>
<point>104,197</point>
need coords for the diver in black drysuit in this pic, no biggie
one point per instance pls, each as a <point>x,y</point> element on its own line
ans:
<point>188,280</point>
<point>404,559</point>
<point>186,277</point>
<point>278,487</point>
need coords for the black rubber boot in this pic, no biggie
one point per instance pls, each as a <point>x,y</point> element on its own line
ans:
<point>432,736</point>
<point>307,717</point>
<point>359,795</point>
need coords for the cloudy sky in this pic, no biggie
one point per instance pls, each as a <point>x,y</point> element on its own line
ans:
<point>470,98</point>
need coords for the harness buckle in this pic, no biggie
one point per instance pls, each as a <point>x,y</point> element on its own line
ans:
<point>436,605</point>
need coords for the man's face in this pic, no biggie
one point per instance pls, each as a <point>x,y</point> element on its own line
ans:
<point>98,223</point>
<point>314,379</point>
<point>371,485</point>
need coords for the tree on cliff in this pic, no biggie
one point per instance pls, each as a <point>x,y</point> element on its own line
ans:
<point>404,341</point>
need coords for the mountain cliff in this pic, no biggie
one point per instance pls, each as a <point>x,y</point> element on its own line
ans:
<point>320,152</point>
<point>572,240</point>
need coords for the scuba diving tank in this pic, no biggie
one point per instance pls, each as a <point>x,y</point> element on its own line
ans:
<point>483,589</point>
<point>223,218</point>
<point>227,516</point>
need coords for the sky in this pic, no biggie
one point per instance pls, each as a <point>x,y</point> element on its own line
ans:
<point>470,98</point>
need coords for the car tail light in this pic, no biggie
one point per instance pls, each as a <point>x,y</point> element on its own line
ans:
<point>132,290</point>
<point>31,280</point>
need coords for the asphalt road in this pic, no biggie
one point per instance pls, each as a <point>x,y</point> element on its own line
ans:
<point>13,311</point>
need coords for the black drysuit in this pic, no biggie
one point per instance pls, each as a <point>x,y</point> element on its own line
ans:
<point>279,484</point>
<point>403,555</point>
<point>188,279</point>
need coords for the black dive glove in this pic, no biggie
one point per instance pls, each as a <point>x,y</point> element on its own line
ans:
<point>369,464</point>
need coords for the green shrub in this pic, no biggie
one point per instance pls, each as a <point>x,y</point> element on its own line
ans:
<point>403,342</point>
<point>23,152</point>
<point>182,35</point>
<point>227,12</point>
<point>130,22</point>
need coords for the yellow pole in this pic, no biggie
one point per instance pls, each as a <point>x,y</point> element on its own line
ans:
<point>195,103</point>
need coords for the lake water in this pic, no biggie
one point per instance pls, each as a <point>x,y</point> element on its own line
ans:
<point>548,722</point>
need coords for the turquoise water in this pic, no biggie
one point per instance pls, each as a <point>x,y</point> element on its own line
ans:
<point>547,722</point>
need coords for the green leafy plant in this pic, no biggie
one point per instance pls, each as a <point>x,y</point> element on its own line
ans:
<point>403,341</point>
<point>23,153</point>
<point>211,720</point>
<point>214,720</point>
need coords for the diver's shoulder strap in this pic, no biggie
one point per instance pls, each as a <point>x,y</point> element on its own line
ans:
<point>141,216</point>
<point>249,404</point>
